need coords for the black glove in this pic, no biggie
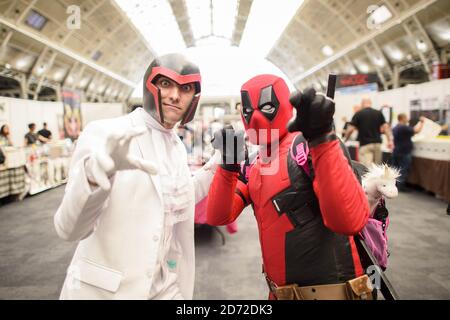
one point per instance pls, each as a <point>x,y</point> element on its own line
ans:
<point>231,145</point>
<point>314,114</point>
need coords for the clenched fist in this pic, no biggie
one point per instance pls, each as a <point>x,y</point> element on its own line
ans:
<point>231,145</point>
<point>314,114</point>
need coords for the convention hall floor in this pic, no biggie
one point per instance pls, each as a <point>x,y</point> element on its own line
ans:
<point>33,259</point>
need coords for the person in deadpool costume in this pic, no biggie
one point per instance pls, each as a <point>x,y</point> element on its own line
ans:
<point>307,201</point>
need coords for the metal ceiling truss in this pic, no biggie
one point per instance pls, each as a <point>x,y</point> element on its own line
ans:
<point>180,12</point>
<point>25,12</point>
<point>240,21</point>
<point>363,40</point>
<point>48,64</point>
<point>51,44</point>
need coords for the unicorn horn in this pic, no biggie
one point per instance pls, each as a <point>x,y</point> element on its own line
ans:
<point>386,170</point>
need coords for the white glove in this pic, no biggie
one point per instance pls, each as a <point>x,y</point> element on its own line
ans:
<point>115,156</point>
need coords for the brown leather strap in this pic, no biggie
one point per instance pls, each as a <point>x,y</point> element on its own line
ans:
<point>356,289</point>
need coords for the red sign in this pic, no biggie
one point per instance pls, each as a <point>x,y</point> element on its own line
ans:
<point>350,80</point>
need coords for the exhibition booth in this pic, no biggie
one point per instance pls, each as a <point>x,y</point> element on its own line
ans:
<point>33,169</point>
<point>431,156</point>
<point>29,170</point>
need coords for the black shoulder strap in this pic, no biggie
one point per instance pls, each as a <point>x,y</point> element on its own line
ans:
<point>245,167</point>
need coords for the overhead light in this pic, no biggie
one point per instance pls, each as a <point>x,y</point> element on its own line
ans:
<point>353,71</point>
<point>421,45</point>
<point>266,22</point>
<point>327,50</point>
<point>40,70</point>
<point>380,15</point>
<point>156,22</point>
<point>445,35</point>
<point>7,66</point>
<point>23,62</point>
<point>58,75</point>
<point>396,54</point>
<point>363,67</point>
<point>83,82</point>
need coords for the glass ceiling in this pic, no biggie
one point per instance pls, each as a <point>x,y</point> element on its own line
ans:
<point>224,68</point>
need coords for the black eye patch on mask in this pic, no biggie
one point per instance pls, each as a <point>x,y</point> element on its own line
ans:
<point>268,103</point>
<point>247,109</point>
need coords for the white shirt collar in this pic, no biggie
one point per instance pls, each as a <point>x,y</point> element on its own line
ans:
<point>152,123</point>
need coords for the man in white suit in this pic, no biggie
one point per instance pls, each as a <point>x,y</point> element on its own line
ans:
<point>130,197</point>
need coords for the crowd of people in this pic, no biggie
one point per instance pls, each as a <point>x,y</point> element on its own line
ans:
<point>139,164</point>
<point>30,138</point>
<point>370,124</point>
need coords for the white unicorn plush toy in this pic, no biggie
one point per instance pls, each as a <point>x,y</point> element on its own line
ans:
<point>379,182</point>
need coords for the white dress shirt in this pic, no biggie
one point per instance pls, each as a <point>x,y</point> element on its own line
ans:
<point>175,187</point>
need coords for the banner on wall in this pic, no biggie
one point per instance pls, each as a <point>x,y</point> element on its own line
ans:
<point>72,113</point>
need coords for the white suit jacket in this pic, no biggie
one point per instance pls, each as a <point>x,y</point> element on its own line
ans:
<point>120,230</point>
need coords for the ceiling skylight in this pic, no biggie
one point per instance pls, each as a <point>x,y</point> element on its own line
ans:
<point>212,17</point>
<point>200,17</point>
<point>156,22</point>
<point>381,15</point>
<point>266,21</point>
<point>327,50</point>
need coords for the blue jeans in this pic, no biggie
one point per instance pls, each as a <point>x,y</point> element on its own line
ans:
<point>403,162</point>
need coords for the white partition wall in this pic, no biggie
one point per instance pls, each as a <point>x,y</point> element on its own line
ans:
<point>433,95</point>
<point>18,113</point>
<point>97,111</point>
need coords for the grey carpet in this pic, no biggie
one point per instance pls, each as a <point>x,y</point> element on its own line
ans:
<point>33,259</point>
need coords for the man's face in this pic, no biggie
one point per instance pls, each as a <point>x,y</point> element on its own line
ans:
<point>175,99</point>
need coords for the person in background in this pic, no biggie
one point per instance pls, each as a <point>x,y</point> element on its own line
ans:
<point>346,124</point>
<point>31,137</point>
<point>403,146</point>
<point>5,139</point>
<point>44,135</point>
<point>370,123</point>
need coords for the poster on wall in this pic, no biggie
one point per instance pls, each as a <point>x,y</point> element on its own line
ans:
<point>72,113</point>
